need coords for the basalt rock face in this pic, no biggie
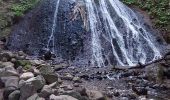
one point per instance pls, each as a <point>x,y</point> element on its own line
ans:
<point>87,32</point>
<point>33,32</point>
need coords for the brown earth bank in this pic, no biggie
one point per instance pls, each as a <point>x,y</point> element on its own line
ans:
<point>25,78</point>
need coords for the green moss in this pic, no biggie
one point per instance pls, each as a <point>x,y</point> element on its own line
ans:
<point>26,64</point>
<point>159,10</point>
<point>20,8</point>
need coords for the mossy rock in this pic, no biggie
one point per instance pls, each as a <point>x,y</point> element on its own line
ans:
<point>26,64</point>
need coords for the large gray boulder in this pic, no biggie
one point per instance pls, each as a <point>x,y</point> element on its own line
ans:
<point>15,95</point>
<point>8,70</point>
<point>30,87</point>
<point>48,73</point>
<point>10,81</point>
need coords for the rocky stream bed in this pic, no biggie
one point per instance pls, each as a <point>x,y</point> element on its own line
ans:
<point>26,78</point>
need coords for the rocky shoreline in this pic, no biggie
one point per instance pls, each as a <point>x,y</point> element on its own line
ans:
<point>26,78</point>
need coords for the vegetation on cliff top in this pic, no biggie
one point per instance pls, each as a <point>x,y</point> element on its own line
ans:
<point>25,5</point>
<point>158,10</point>
<point>9,10</point>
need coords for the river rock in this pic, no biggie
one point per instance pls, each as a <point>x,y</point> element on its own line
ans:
<point>27,75</point>
<point>60,66</point>
<point>35,97</point>
<point>77,80</point>
<point>37,62</point>
<point>30,86</point>
<point>10,81</point>
<point>8,70</point>
<point>94,95</point>
<point>15,95</point>
<point>67,76</point>
<point>8,91</point>
<point>62,97</point>
<point>49,74</point>
<point>47,90</point>
<point>6,55</point>
<point>38,82</point>
<point>140,90</point>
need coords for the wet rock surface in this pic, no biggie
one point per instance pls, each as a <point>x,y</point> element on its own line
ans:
<point>34,79</point>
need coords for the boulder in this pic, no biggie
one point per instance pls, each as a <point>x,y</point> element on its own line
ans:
<point>93,94</point>
<point>35,97</point>
<point>30,86</point>
<point>15,95</point>
<point>8,70</point>
<point>8,91</point>
<point>62,97</point>
<point>27,75</point>
<point>48,90</point>
<point>6,55</point>
<point>38,82</point>
<point>10,81</point>
<point>49,74</point>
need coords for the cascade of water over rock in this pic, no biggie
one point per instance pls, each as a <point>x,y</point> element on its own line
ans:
<point>131,41</point>
<point>92,32</point>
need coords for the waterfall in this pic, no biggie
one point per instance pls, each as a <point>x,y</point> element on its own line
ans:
<point>96,46</point>
<point>52,38</point>
<point>89,33</point>
<point>134,43</point>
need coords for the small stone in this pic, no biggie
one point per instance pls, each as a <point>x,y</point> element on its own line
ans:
<point>62,97</point>
<point>68,76</point>
<point>26,75</point>
<point>20,53</point>
<point>77,79</point>
<point>95,95</point>
<point>15,95</point>
<point>37,62</point>
<point>76,85</point>
<point>60,66</point>
<point>13,60</point>
<point>140,90</point>
<point>116,94</point>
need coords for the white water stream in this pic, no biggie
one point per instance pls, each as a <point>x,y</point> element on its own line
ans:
<point>131,48</point>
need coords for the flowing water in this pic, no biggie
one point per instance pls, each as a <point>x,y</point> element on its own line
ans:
<point>88,32</point>
<point>51,39</point>
<point>132,41</point>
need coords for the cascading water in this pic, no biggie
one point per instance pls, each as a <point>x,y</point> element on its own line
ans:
<point>131,42</point>
<point>51,39</point>
<point>88,32</point>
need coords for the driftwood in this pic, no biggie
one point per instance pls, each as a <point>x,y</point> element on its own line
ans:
<point>141,66</point>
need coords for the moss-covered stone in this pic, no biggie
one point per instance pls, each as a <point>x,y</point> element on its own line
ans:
<point>26,64</point>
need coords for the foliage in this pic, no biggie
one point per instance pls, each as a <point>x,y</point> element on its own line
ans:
<point>159,11</point>
<point>20,8</point>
